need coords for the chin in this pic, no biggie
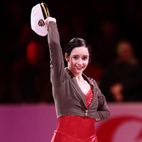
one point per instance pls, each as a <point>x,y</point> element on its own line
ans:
<point>79,72</point>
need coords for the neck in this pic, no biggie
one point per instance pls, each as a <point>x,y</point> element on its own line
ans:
<point>79,77</point>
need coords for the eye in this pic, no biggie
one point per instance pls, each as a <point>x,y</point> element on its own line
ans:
<point>75,57</point>
<point>85,58</point>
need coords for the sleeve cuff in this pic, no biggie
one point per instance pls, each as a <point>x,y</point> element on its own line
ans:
<point>49,19</point>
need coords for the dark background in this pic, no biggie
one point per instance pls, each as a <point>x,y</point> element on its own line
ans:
<point>101,22</point>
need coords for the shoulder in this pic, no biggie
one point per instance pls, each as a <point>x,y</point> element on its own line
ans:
<point>93,81</point>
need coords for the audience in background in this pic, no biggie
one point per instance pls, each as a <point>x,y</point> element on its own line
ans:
<point>30,73</point>
<point>103,45</point>
<point>122,80</point>
<point>24,57</point>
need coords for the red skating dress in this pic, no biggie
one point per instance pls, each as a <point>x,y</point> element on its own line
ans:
<point>73,128</point>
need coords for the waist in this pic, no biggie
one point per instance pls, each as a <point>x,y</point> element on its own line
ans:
<point>76,126</point>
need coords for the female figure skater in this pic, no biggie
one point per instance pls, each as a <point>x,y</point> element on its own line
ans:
<point>78,100</point>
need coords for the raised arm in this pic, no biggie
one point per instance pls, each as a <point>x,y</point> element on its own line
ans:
<point>56,55</point>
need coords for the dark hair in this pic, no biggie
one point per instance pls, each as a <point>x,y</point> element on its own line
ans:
<point>76,42</point>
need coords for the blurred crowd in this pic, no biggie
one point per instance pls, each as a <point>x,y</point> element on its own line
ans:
<point>113,29</point>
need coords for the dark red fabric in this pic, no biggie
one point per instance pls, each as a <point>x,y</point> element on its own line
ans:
<point>89,97</point>
<point>76,126</point>
<point>60,137</point>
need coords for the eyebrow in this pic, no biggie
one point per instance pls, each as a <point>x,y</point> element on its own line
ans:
<point>79,55</point>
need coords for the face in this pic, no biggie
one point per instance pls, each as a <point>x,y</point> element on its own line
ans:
<point>78,60</point>
<point>125,51</point>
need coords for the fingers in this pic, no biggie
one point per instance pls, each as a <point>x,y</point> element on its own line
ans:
<point>49,19</point>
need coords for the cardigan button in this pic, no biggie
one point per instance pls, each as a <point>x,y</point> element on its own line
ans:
<point>86,112</point>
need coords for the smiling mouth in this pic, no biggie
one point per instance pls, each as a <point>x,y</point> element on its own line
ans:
<point>79,68</point>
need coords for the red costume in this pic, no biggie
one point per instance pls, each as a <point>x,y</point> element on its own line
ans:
<point>73,128</point>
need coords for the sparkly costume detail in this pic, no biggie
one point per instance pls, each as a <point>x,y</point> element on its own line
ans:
<point>89,97</point>
<point>75,128</point>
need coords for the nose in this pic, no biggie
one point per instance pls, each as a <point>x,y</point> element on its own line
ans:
<point>80,61</point>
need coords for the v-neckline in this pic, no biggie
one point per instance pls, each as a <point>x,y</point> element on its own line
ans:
<point>88,90</point>
<point>78,89</point>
